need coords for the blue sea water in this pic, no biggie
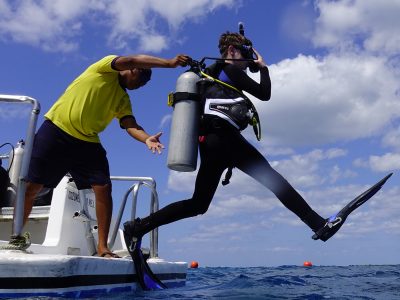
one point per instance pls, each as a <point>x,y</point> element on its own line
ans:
<point>285,282</point>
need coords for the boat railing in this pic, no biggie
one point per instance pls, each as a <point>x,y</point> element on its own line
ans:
<point>19,202</point>
<point>134,189</point>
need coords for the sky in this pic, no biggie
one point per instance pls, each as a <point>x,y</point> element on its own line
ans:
<point>331,128</point>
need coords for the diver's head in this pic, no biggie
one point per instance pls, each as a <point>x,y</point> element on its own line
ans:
<point>233,45</point>
<point>240,42</point>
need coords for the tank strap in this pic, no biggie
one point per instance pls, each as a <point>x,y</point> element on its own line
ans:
<point>179,96</point>
<point>228,176</point>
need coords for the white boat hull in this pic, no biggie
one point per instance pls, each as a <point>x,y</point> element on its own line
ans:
<point>32,275</point>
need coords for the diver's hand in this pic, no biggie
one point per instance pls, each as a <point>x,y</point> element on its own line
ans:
<point>153,143</point>
<point>259,61</point>
<point>179,60</point>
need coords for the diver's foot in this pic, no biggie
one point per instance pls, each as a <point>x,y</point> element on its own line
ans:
<point>336,221</point>
<point>132,233</point>
<point>331,226</point>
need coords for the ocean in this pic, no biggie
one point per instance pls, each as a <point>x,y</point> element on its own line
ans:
<point>284,282</point>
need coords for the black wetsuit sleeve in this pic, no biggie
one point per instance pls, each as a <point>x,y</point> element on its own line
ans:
<point>243,82</point>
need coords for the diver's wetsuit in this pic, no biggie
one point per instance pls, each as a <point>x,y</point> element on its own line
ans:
<point>223,147</point>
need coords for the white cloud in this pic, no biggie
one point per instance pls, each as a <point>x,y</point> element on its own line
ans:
<point>56,25</point>
<point>304,170</point>
<point>337,173</point>
<point>226,231</point>
<point>324,100</point>
<point>135,20</point>
<point>242,204</point>
<point>52,25</point>
<point>13,112</point>
<point>182,181</point>
<point>386,162</point>
<point>373,25</point>
<point>392,139</point>
<point>154,43</point>
<point>165,121</point>
<point>360,163</point>
<point>178,11</point>
<point>297,21</point>
<point>129,21</point>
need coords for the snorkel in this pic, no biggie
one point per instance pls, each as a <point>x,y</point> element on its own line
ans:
<point>248,52</point>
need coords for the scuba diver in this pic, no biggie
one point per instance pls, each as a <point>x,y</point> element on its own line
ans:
<point>223,147</point>
<point>226,111</point>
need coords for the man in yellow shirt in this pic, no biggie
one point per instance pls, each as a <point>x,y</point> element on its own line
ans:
<point>68,141</point>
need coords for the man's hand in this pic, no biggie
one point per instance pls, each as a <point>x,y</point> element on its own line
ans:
<point>179,60</point>
<point>153,143</point>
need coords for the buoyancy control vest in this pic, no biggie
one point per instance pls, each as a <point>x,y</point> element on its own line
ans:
<point>223,100</point>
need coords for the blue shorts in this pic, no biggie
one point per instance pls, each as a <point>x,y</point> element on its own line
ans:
<point>56,153</point>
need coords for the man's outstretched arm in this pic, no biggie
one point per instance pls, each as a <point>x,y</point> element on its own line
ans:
<point>137,132</point>
<point>147,61</point>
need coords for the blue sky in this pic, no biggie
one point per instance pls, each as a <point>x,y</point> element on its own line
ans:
<point>332,126</point>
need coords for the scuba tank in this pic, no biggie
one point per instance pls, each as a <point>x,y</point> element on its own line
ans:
<point>183,141</point>
<point>15,163</point>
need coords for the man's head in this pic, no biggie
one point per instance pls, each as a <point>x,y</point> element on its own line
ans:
<point>135,78</point>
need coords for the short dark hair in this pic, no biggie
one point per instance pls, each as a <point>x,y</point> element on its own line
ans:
<point>231,38</point>
<point>145,75</point>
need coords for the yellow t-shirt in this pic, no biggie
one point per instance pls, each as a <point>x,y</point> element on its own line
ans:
<point>91,101</point>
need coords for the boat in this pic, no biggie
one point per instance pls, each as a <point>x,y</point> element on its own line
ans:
<point>61,260</point>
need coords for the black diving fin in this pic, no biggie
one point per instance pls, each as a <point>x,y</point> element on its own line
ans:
<point>146,278</point>
<point>336,221</point>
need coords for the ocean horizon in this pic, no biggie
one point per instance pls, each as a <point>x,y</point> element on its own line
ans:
<point>283,282</point>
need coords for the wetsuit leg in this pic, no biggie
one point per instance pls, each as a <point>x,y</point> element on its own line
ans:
<point>249,160</point>
<point>211,168</point>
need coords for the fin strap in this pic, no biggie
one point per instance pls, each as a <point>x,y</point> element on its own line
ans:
<point>228,176</point>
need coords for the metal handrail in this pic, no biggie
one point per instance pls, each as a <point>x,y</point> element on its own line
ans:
<point>149,182</point>
<point>20,199</point>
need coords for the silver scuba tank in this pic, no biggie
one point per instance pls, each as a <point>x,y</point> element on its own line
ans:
<point>15,163</point>
<point>183,141</point>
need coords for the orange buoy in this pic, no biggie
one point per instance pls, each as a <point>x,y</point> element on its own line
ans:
<point>194,264</point>
<point>307,264</point>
